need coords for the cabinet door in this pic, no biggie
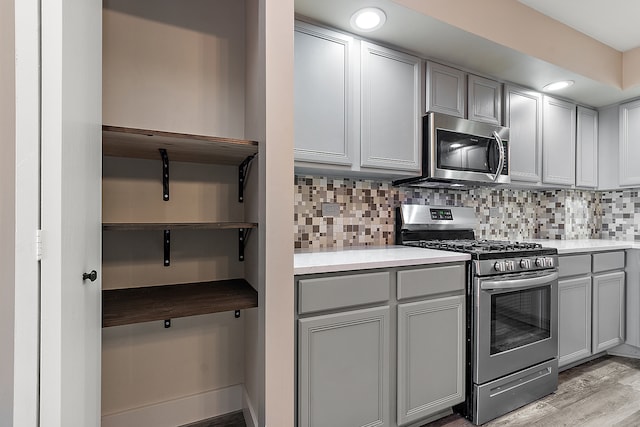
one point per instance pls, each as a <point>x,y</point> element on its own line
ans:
<point>629,149</point>
<point>343,369</point>
<point>390,109</point>
<point>587,148</point>
<point>608,310</point>
<point>574,320</point>
<point>484,100</point>
<point>446,89</point>
<point>523,117</point>
<point>323,95</point>
<point>558,141</point>
<point>431,357</point>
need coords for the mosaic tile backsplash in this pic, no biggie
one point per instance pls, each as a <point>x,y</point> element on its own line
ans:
<point>366,210</point>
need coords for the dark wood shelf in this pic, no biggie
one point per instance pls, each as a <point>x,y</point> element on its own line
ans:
<point>151,226</point>
<point>181,147</point>
<point>135,305</point>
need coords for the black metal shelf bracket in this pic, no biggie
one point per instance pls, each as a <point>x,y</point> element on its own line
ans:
<point>243,171</point>
<point>167,248</point>
<point>165,174</point>
<point>243,236</point>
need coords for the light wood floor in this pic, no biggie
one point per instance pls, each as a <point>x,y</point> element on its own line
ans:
<point>601,393</point>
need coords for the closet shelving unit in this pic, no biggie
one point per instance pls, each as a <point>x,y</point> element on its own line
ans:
<point>143,304</point>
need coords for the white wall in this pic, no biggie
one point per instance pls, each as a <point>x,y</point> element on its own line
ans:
<point>278,174</point>
<point>174,65</point>
<point>7,209</point>
<point>254,363</point>
<point>269,365</point>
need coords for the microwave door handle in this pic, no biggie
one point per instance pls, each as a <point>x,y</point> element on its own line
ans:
<point>518,283</point>
<point>501,151</point>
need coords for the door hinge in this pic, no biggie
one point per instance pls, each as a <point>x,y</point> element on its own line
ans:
<point>39,245</point>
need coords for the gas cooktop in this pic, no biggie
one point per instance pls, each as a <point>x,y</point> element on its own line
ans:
<point>452,229</point>
<point>485,249</point>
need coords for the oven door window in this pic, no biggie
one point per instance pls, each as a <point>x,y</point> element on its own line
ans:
<point>519,318</point>
<point>463,152</point>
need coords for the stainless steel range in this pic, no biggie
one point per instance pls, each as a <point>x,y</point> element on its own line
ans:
<point>512,309</point>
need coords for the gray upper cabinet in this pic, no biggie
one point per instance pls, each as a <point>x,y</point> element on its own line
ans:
<point>343,369</point>
<point>357,106</point>
<point>523,117</point>
<point>323,95</point>
<point>558,141</point>
<point>390,105</point>
<point>629,148</point>
<point>484,100</point>
<point>431,354</point>
<point>587,148</point>
<point>608,310</point>
<point>446,90</point>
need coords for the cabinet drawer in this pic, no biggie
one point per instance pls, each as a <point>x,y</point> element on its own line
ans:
<point>608,261</point>
<point>573,265</point>
<point>327,293</point>
<point>430,281</point>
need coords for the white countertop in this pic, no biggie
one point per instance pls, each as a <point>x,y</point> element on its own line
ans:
<point>585,245</point>
<point>366,257</point>
<point>360,258</point>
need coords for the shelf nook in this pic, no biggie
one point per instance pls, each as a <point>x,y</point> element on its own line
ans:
<point>164,302</point>
<point>136,305</point>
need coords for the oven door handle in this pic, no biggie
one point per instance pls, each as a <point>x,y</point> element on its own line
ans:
<point>518,283</point>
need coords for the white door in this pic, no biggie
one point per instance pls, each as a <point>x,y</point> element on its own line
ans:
<point>71,212</point>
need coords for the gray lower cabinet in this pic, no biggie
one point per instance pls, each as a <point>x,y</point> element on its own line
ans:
<point>608,310</point>
<point>574,320</point>
<point>430,357</point>
<point>343,369</point>
<point>591,305</point>
<point>380,347</point>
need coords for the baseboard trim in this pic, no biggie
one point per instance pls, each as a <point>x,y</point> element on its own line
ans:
<point>625,350</point>
<point>180,411</point>
<point>250,417</point>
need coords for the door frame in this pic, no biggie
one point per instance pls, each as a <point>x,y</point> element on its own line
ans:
<point>26,344</point>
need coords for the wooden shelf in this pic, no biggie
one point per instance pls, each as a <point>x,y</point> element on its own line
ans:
<point>135,305</point>
<point>151,226</point>
<point>144,144</point>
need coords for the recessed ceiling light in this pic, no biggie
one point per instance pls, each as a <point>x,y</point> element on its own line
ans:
<point>558,85</point>
<point>368,19</point>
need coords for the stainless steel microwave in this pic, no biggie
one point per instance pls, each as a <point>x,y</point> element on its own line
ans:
<point>459,152</point>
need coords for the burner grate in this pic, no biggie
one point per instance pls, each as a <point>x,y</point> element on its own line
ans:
<point>475,246</point>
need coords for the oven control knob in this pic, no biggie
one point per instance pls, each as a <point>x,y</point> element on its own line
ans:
<point>548,262</point>
<point>500,266</point>
<point>540,262</point>
<point>525,263</point>
<point>510,265</point>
